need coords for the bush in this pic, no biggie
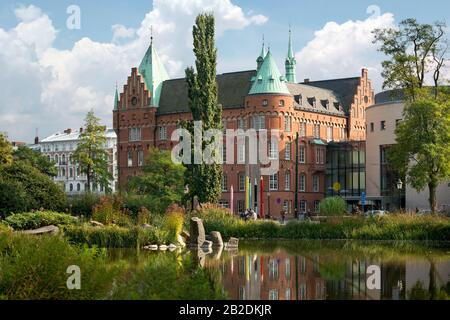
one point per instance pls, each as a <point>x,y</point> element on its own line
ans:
<point>143,216</point>
<point>109,211</point>
<point>333,206</point>
<point>173,225</point>
<point>35,268</point>
<point>115,236</point>
<point>38,219</point>
<point>42,191</point>
<point>82,205</point>
<point>13,198</point>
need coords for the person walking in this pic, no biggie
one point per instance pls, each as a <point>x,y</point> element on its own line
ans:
<point>283,216</point>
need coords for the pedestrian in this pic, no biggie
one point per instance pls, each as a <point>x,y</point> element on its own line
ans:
<point>283,216</point>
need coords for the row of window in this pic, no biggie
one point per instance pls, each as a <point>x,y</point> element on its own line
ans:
<point>273,182</point>
<point>131,160</point>
<point>71,187</point>
<point>287,206</point>
<point>52,147</point>
<point>382,125</point>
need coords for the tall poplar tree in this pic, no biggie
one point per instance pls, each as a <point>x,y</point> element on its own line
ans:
<point>91,153</point>
<point>204,180</point>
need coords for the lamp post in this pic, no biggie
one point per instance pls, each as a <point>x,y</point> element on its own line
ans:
<point>399,188</point>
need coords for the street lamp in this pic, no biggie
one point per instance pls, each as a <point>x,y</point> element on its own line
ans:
<point>399,188</point>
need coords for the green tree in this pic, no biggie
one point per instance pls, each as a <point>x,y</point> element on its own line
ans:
<point>204,180</point>
<point>35,159</point>
<point>161,181</point>
<point>414,50</point>
<point>91,153</point>
<point>13,197</point>
<point>40,190</point>
<point>5,150</point>
<point>422,151</point>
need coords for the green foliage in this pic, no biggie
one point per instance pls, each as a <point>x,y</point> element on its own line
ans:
<point>173,225</point>
<point>38,219</point>
<point>115,236</point>
<point>160,184</point>
<point>168,277</point>
<point>333,206</point>
<point>13,197</point>
<point>35,268</point>
<point>5,150</point>
<point>143,216</point>
<point>91,154</point>
<point>422,151</point>
<point>109,211</point>
<point>36,160</point>
<point>82,205</point>
<point>204,180</point>
<point>41,190</point>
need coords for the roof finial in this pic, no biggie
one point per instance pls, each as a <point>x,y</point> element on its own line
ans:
<point>151,34</point>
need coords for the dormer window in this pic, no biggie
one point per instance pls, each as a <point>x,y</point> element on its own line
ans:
<point>260,78</point>
<point>325,103</point>
<point>336,105</point>
<point>312,101</point>
<point>271,78</point>
<point>298,99</point>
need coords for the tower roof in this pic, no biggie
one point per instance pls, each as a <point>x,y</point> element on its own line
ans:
<point>262,55</point>
<point>116,100</point>
<point>290,54</point>
<point>268,79</point>
<point>153,72</point>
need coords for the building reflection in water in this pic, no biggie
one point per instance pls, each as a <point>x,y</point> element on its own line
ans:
<point>280,276</point>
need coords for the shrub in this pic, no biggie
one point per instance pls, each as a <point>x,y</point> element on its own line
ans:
<point>35,268</point>
<point>38,219</point>
<point>333,206</point>
<point>13,198</point>
<point>173,225</point>
<point>109,211</point>
<point>143,216</point>
<point>82,205</point>
<point>42,191</point>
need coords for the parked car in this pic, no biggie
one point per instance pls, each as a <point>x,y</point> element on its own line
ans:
<point>375,213</point>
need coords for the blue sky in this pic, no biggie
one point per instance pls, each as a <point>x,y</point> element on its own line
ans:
<point>67,72</point>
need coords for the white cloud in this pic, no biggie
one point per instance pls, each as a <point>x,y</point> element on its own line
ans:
<point>51,89</point>
<point>341,50</point>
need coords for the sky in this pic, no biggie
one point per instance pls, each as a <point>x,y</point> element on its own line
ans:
<point>54,69</point>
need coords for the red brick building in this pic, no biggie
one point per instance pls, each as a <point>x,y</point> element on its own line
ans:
<point>151,105</point>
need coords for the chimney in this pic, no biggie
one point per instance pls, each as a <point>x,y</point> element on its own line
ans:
<point>306,80</point>
<point>68,131</point>
<point>36,140</point>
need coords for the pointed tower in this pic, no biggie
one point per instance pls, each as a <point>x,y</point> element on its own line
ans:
<point>269,79</point>
<point>261,57</point>
<point>290,62</point>
<point>153,72</point>
<point>116,100</point>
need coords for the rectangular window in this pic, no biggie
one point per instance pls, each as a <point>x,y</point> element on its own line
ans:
<point>372,127</point>
<point>329,134</point>
<point>302,154</point>
<point>140,158</point>
<point>287,123</point>
<point>302,130</point>
<point>317,155</point>
<point>316,206</point>
<point>273,269</point>
<point>342,132</point>
<point>273,294</point>
<point>316,184</point>
<point>303,291</point>
<point>134,134</point>
<point>224,203</point>
<point>130,158</point>
<point>287,151</point>
<point>287,181</point>
<point>287,266</point>
<point>162,133</point>
<point>303,206</point>
<point>288,294</point>
<point>224,152</point>
<point>302,182</point>
<point>259,122</point>
<point>273,182</point>
<point>241,124</point>
<point>273,149</point>
<point>224,182</point>
<point>241,153</point>
<point>241,182</point>
<point>383,125</point>
<point>316,132</point>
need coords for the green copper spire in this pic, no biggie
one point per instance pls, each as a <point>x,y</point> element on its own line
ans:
<point>290,62</point>
<point>116,100</point>
<point>268,79</point>
<point>153,72</point>
<point>262,55</point>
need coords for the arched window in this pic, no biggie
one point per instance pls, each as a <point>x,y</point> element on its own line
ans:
<point>71,187</point>
<point>281,103</point>
<point>78,187</point>
<point>56,159</point>
<point>63,172</point>
<point>63,159</point>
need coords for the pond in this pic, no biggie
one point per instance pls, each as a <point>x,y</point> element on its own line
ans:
<point>317,270</point>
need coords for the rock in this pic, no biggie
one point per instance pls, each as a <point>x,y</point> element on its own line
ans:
<point>172,246</point>
<point>151,247</point>
<point>180,241</point>
<point>96,224</point>
<point>185,235</point>
<point>216,238</point>
<point>233,243</point>
<point>217,253</point>
<point>197,232</point>
<point>206,244</point>
<point>163,247</point>
<point>44,230</point>
<point>146,226</point>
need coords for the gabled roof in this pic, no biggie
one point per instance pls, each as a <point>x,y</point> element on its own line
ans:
<point>154,73</point>
<point>268,80</point>
<point>345,89</point>
<point>232,89</point>
<point>75,135</point>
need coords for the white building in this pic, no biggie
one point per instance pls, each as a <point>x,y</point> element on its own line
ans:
<point>59,148</point>
<point>381,184</point>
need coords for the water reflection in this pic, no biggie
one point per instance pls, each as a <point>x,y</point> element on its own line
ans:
<point>290,272</point>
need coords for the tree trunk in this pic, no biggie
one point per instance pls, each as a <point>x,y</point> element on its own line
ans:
<point>432,199</point>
